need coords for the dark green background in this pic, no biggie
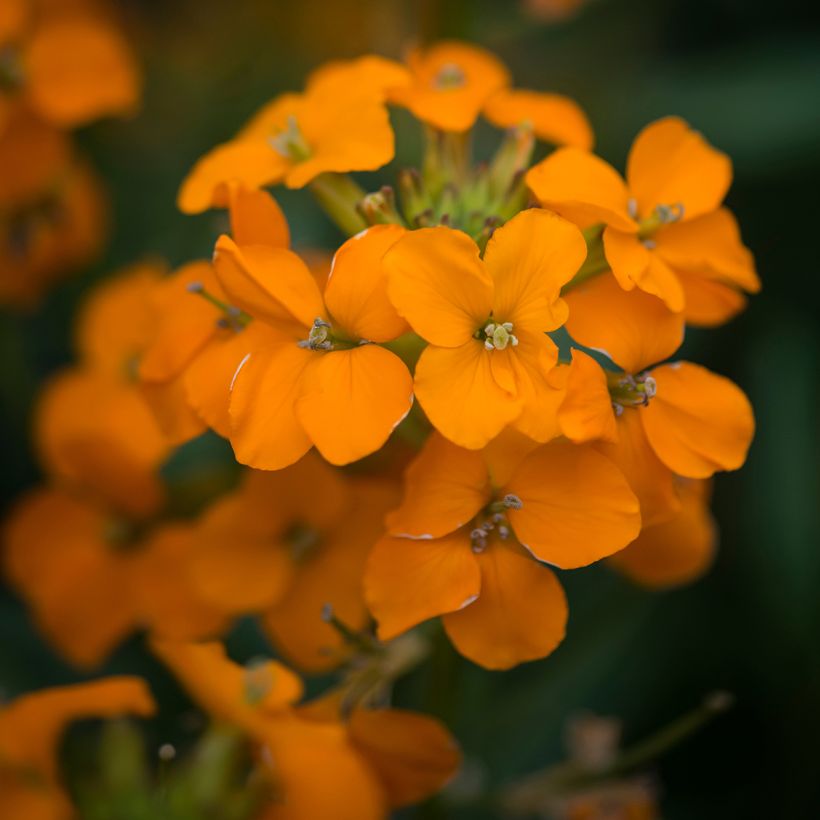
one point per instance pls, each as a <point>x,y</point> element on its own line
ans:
<point>745,73</point>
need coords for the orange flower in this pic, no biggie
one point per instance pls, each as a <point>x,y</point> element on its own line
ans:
<point>30,731</point>
<point>488,359</point>
<point>321,766</point>
<point>92,576</point>
<point>671,419</point>
<point>51,210</point>
<point>677,551</point>
<point>664,228</point>
<point>451,82</point>
<point>338,124</point>
<point>316,373</point>
<point>71,66</point>
<point>285,545</point>
<point>467,541</point>
<point>187,368</point>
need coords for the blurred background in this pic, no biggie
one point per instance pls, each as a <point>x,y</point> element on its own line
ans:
<point>744,72</point>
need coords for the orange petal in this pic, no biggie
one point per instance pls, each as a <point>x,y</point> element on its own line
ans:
<point>633,263</point>
<point>676,552</point>
<point>249,162</point>
<point>530,259</point>
<point>651,480</point>
<point>331,574</point>
<point>458,392</point>
<point>444,488</point>
<point>256,218</point>
<point>698,422</point>
<point>520,615</point>
<point>79,69</point>
<point>451,83</point>
<point>31,725</point>
<point>242,696</point>
<point>412,755</point>
<point>14,15</point>
<point>177,421</point>
<point>553,117</point>
<point>632,328</point>
<point>438,283</point>
<point>166,601</point>
<point>271,284</point>
<point>57,558</point>
<point>371,73</point>
<point>577,506</point>
<point>586,411</point>
<point>709,303</point>
<point>582,188</point>
<point>505,452</point>
<point>265,432</point>
<point>352,400</point>
<point>408,581</point>
<point>356,293</point>
<point>669,163</point>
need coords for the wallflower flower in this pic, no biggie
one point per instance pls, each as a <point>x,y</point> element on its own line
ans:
<point>338,124</point>
<point>677,551</point>
<point>488,359</point>
<point>316,374</point>
<point>664,228</point>
<point>69,64</point>
<point>453,83</point>
<point>92,576</point>
<point>51,210</point>
<point>285,545</point>
<point>30,730</point>
<point>672,419</point>
<point>466,543</point>
<point>187,367</point>
<point>322,765</point>
<point>93,427</point>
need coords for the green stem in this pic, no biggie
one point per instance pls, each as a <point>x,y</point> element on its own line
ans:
<point>595,263</point>
<point>338,195</point>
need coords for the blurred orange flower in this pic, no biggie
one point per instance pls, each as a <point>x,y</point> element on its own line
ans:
<point>30,730</point>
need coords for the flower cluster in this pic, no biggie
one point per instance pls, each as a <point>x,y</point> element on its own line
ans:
<point>62,65</point>
<point>478,390</point>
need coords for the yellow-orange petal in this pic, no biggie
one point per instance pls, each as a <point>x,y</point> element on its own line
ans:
<point>438,283</point>
<point>271,284</point>
<point>676,552</point>
<point>408,581</point>
<point>79,69</point>
<point>576,505</point>
<point>582,188</point>
<point>444,488</point>
<point>520,615</point>
<point>265,432</point>
<point>669,163</point>
<point>632,328</point>
<point>633,263</point>
<point>331,574</point>
<point>356,292</point>
<point>698,422</point>
<point>256,218</point>
<point>650,479</point>
<point>412,755</point>
<point>530,259</point>
<point>352,400</point>
<point>451,83</point>
<point>554,118</point>
<point>458,392</point>
<point>586,412</point>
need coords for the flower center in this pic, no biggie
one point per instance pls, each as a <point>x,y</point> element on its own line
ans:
<point>449,76</point>
<point>234,318</point>
<point>11,68</point>
<point>322,336</point>
<point>497,335</point>
<point>258,681</point>
<point>661,215</point>
<point>493,520</point>
<point>302,540</point>
<point>290,142</point>
<point>626,390</point>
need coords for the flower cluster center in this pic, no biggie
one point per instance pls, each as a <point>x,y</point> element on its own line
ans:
<point>627,390</point>
<point>493,521</point>
<point>497,335</point>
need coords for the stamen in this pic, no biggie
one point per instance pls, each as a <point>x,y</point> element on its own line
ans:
<point>497,335</point>
<point>627,390</point>
<point>290,142</point>
<point>450,75</point>
<point>319,336</point>
<point>235,318</point>
<point>632,207</point>
<point>258,681</point>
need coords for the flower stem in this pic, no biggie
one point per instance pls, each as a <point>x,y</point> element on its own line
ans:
<point>338,195</point>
